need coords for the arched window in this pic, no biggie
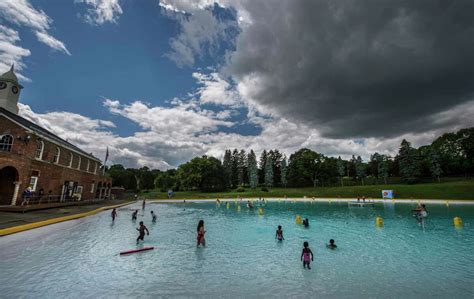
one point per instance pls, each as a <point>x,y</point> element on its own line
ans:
<point>6,143</point>
<point>57,153</point>
<point>71,158</point>
<point>39,149</point>
<point>79,163</point>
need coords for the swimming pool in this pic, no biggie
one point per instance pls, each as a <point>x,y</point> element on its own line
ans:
<point>242,259</point>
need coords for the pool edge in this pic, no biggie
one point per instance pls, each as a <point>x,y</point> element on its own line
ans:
<point>25,227</point>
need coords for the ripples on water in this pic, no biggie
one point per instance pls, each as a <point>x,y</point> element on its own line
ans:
<point>80,258</point>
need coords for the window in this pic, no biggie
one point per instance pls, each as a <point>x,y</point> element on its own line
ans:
<point>92,186</point>
<point>6,143</point>
<point>88,165</point>
<point>39,149</point>
<point>79,163</point>
<point>57,153</point>
<point>71,158</point>
<point>33,183</point>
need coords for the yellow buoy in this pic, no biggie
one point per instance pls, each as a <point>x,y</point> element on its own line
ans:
<point>227,205</point>
<point>379,222</point>
<point>457,221</point>
<point>260,211</point>
<point>238,208</point>
<point>298,219</point>
<point>447,203</point>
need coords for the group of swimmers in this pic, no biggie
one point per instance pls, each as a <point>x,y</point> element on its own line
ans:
<point>306,253</point>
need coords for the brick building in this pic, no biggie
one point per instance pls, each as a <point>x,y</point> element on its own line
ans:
<point>31,156</point>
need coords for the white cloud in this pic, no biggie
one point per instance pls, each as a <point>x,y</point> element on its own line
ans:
<point>51,42</point>
<point>10,53</point>
<point>215,90</point>
<point>101,11</point>
<point>22,13</point>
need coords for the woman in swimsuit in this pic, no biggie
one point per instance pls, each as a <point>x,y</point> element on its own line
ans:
<point>306,255</point>
<point>200,233</point>
<point>279,234</point>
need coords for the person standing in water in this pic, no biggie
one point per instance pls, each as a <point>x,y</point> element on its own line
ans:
<point>306,255</point>
<point>153,216</point>
<point>114,214</point>
<point>279,234</point>
<point>331,244</point>
<point>143,204</point>
<point>200,234</point>
<point>134,215</point>
<point>141,231</point>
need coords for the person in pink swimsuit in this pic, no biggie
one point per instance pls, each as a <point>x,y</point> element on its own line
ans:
<point>306,255</point>
<point>200,234</point>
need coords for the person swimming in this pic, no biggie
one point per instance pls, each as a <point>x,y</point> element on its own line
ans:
<point>153,216</point>
<point>420,212</point>
<point>200,234</point>
<point>114,214</point>
<point>279,234</point>
<point>331,244</point>
<point>306,222</point>
<point>306,255</point>
<point>134,215</point>
<point>249,204</point>
<point>141,231</point>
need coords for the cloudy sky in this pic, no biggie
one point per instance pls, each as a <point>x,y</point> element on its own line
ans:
<point>162,81</point>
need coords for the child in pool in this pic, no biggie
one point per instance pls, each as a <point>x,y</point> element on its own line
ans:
<point>279,234</point>
<point>200,234</point>
<point>306,222</point>
<point>134,215</point>
<point>249,204</point>
<point>153,216</point>
<point>141,231</point>
<point>306,255</point>
<point>114,214</point>
<point>331,244</point>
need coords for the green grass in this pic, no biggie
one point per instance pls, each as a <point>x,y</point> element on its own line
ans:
<point>446,190</point>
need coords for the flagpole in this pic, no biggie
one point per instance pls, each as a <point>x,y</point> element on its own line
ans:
<point>105,161</point>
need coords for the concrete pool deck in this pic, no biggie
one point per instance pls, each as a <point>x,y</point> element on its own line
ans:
<point>14,223</point>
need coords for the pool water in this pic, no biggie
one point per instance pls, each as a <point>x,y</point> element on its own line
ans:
<point>242,258</point>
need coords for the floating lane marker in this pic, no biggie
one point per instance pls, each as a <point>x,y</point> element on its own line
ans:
<point>136,250</point>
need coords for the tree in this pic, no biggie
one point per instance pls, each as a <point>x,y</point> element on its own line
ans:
<point>166,180</point>
<point>276,160</point>
<point>269,172</point>
<point>204,173</point>
<point>262,164</point>
<point>234,168</point>
<point>341,169</point>
<point>409,163</point>
<point>383,167</point>
<point>283,170</point>
<point>373,166</point>
<point>252,169</point>
<point>360,169</point>
<point>143,177</point>
<point>303,168</point>
<point>241,167</point>
<point>434,165</point>
<point>227,165</point>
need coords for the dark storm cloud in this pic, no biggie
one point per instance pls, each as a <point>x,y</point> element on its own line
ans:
<point>358,68</point>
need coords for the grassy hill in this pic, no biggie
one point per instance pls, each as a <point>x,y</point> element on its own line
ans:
<point>446,190</point>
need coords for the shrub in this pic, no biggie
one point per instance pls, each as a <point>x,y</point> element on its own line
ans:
<point>240,189</point>
<point>264,189</point>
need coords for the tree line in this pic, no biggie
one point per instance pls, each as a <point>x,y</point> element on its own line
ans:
<point>450,155</point>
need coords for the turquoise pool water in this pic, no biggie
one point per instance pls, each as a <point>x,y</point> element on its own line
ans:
<point>242,259</point>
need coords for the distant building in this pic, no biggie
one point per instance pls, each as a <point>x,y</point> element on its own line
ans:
<point>31,156</point>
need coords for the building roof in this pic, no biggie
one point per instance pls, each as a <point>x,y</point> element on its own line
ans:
<point>10,76</point>
<point>44,133</point>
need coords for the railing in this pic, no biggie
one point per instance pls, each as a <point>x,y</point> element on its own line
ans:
<point>44,199</point>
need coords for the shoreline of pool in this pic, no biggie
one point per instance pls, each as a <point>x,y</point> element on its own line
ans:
<point>325,200</point>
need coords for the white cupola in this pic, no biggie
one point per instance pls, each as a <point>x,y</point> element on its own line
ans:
<point>9,91</point>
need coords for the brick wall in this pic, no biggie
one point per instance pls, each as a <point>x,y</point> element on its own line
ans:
<point>51,175</point>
